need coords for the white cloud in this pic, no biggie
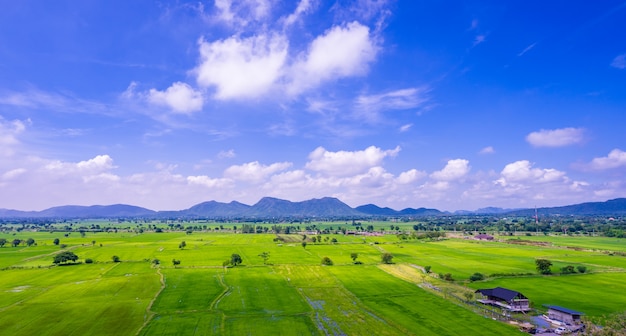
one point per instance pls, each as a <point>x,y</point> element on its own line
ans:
<point>180,97</point>
<point>619,62</point>
<point>242,12</point>
<point>615,159</point>
<point>527,49</point>
<point>479,39</point>
<point>487,150</point>
<point>254,171</point>
<point>208,182</point>
<point>242,68</point>
<point>343,163</point>
<point>405,128</point>
<point>229,154</point>
<point>303,7</point>
<point>369,106</point>
<point>454,170</point>
<point>410,176</point>
<point>11,174</point>
<point>9,132</point>
<point>343,51</point>
<point>556,138</point>
<point>522,172</point>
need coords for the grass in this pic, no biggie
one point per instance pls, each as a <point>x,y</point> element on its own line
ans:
<point>293,294</point>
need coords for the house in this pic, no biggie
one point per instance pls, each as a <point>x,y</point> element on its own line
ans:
<point>504,298</point>
<point>564,315</point>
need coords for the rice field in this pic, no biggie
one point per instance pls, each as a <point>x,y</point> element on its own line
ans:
<point>289,293</point>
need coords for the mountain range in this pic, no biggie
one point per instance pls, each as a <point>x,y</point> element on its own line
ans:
<point>327,207</point>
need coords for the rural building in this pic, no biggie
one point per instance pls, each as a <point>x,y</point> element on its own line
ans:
<point>483,236</point>
<point>565,315</point>
<point>504,298</point>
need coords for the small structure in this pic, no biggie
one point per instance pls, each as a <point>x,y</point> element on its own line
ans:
<point>564,315</point>
<point>504,298</point>
<point>483,236</point>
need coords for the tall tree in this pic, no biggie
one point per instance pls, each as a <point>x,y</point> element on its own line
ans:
<point>387,258</point>
<point>543,266</point>
<point>235,259</point>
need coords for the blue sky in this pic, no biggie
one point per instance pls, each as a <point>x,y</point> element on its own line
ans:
<point>444,104</point>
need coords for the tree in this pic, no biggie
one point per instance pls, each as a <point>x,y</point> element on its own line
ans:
<point>569,269</point>
<point>235,259</point>
<point>387,258</point>
<point>581,269</point>
<point>56,241</point>
<point>156,261</point>
<point>16,242</point>
<point>427,269</point>
<point>476,277</point>
<point>64,257</point>
<point>88,261</point>
<point>182,245</point>
<point>304,244</point>
<point>30,242</point>
<point>3,241</point>
<point>265,256</point>
<point>326,261</point>
<point>468,296</point>
<point>354,255</point>
<point>175,262</point>
<point>115,258</point>
<point>543,266</point>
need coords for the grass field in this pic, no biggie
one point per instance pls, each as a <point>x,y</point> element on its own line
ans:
<point>290,293</point>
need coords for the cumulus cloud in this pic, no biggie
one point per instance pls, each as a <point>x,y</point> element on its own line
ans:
<point>454,170</point>
<point>209,182</point>
<point>369,106</point>
<point>342,51</point>
<point>616,158</point>
<point>344,163</point>
<point>410,176</point>
<point>619,62</point>
<point>241,67</point>
<point>254,171</point>
<point>557,137</point>
<point>180,97</point>
<point>522,172</point>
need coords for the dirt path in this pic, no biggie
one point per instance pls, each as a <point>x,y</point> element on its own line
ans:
<point>149,313</point>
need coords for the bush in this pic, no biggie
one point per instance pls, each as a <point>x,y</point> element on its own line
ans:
<point>326,261</point>
<point>427,269</point>
<point>581,269</point>
<point>447,277</point>
<point>477,277</point>
<point>115,258</point>
<point>568,269</point>
<point>387,258</point>
<point>88,261</point>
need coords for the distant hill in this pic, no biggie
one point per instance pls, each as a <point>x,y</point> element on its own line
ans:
<point>216,209</point>
<point>374,210</point>
<point>323,207</point>
<point>611,207</point>
<point>328,207</point>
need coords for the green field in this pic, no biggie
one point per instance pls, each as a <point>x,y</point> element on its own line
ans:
<point>292,293</point>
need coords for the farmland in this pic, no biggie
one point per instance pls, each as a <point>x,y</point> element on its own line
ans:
<point>289,292</point>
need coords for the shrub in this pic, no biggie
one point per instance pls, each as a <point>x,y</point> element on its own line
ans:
<point>326,261</point>
<point>115,258</point>
<point>569,269</point>
<point>88,261</point>
<point>448,277</point>
<point>427,269</point>
<point>387,258</point>
<point>477,277</point>
<point>581,269</point>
